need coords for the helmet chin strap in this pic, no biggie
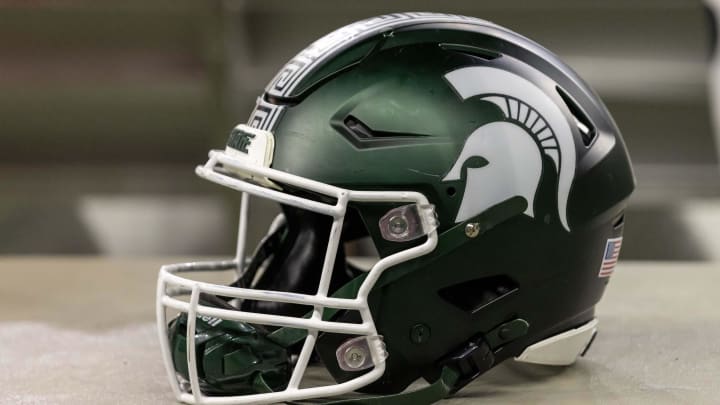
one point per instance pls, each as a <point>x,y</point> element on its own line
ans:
<point>445,385</point>
<point>427,395</point>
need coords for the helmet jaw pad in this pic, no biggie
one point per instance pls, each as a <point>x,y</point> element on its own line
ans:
<point>561,349</point>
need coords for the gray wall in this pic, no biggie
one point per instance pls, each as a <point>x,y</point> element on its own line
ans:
<point>106,108</point>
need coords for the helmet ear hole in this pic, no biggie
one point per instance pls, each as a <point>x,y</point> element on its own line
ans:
<point>619,222</point>
<point>584,125</point>
<point>473,295</point>
<point>451,191</point>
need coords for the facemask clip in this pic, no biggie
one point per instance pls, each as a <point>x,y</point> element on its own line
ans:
<point>356,354</point>
<point>408,222</point>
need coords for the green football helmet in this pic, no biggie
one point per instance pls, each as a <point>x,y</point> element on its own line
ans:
<point>488,177</point>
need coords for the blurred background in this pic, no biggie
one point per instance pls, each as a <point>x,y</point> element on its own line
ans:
<point>106,107</point>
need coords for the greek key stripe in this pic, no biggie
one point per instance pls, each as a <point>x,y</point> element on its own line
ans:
<point>265,115</point>
<point>324,48</point>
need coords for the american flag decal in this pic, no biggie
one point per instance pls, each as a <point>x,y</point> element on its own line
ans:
<point>610,258</point>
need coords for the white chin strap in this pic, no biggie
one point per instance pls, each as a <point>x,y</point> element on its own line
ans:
<point>562,349</point>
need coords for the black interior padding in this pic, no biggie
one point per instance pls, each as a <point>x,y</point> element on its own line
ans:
<point>297,259</point>
<point>474,295</point>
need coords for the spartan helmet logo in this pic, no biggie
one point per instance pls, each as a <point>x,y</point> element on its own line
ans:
<point>533,125</point>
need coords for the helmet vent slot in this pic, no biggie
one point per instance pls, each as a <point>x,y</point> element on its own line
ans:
<point>583,123</point>
<point>473,295</point>
<point>619,222</point>
<point>362,131</point>
<point>277,100</point>
<point>470,50</point>
<point>359,128</point>
<point>362,136</point>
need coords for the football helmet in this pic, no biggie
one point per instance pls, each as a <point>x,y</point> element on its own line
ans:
<point>488,177</point>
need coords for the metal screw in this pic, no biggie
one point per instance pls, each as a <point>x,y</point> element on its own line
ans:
<point>472,229</point>
<point>398,225</point>
<point>505,332</point>
<point>420,333</point>
<point>355,356</point>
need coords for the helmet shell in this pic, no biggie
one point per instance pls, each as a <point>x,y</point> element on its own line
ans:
<point>373,107</point>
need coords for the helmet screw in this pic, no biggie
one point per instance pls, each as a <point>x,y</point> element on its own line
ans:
<point>420,333</point>
<point>355,357</point>
<point>472,229</point>
<point>398,225</point>
<point>505,332</point>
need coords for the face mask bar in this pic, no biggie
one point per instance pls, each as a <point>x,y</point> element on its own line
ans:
<point>170,284</point>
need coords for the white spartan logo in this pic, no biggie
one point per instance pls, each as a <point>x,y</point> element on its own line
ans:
<point>511,146</point>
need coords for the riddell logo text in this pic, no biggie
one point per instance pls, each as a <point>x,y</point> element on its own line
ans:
<point>210,320</point>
